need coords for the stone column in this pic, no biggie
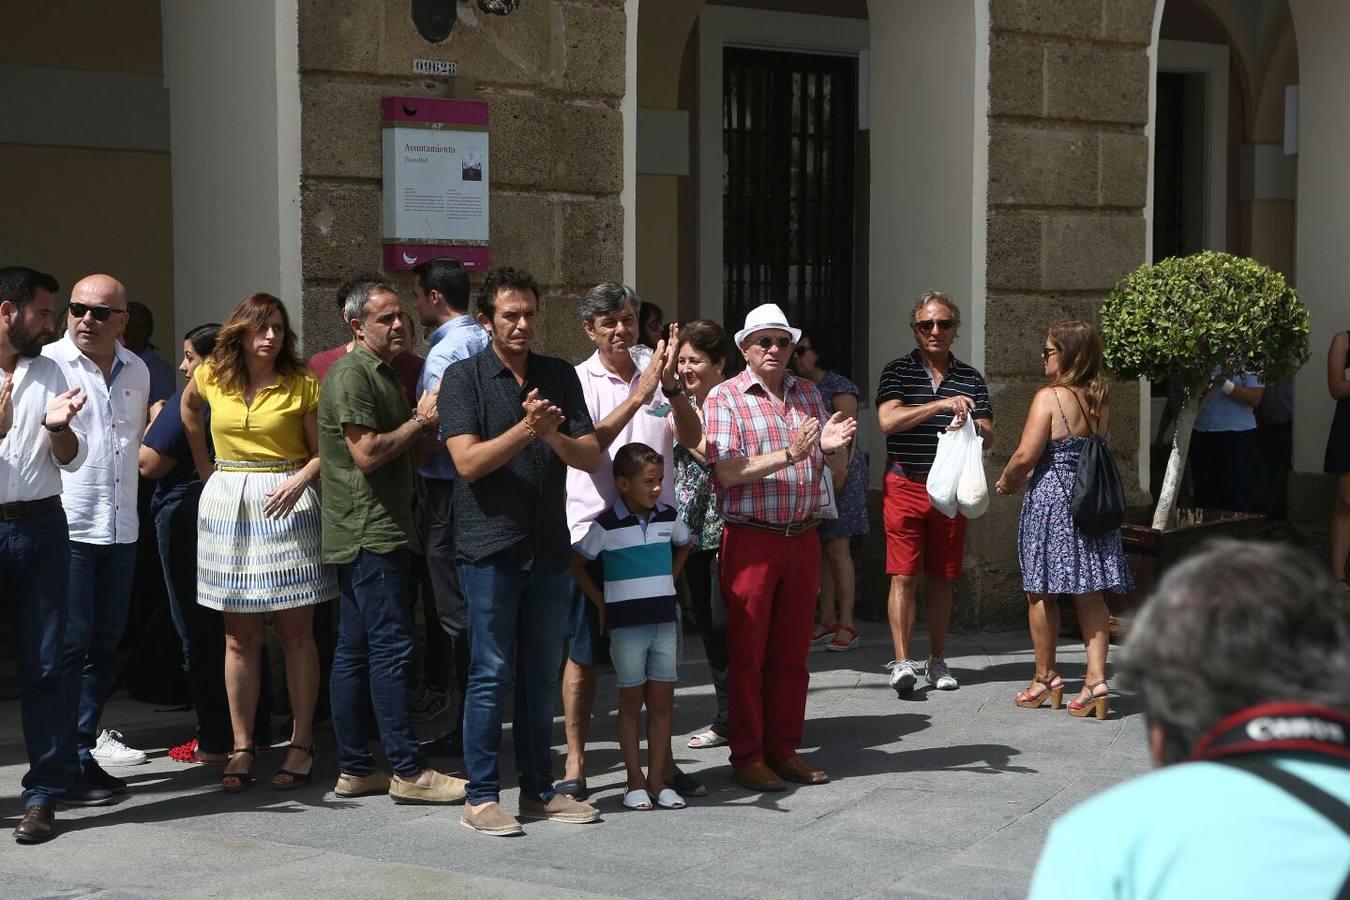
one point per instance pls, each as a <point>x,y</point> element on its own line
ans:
<point>1069,85</point>
<point>554,74</point>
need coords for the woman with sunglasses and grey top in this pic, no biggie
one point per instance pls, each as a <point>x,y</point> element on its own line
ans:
<point>919,396</point>
<point>1056,556</point>
<point>836,571</point>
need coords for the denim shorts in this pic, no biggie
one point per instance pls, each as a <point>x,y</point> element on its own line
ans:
<point>586,646</point>
<point>643,653</point>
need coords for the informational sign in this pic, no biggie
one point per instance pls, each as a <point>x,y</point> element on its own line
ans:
<point>435,181</point>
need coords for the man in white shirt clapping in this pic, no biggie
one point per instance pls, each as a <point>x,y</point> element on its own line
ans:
<point>37,443</point>
<point>100,502</point>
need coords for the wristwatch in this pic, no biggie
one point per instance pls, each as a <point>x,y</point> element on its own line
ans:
<point>672,393</point>
<point>421,422</point>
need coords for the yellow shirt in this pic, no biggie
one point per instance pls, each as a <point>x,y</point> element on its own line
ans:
<point>272,429</point>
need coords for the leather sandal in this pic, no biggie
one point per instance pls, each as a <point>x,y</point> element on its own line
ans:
<point>235,782</point>
<point>286,780</point>
<point>1053,688</point>
<point>823,633</point>
<point>842,642</point>
<point>1100,704</point>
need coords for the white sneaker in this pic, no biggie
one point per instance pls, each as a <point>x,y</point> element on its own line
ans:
<point>938,675</point>
<point>111,750</point>
<point>903,676</point>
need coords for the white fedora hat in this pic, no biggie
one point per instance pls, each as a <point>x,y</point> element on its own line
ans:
<point>764,317</point>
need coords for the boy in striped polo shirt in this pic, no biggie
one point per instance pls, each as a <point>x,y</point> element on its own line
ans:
<point>641,545</point>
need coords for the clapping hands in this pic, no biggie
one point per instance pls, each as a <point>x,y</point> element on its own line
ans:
<point>542,418</point>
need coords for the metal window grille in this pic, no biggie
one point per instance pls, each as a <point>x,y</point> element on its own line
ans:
<point>789,123</point>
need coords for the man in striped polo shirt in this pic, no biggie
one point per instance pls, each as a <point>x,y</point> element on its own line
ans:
<point>919,396</point>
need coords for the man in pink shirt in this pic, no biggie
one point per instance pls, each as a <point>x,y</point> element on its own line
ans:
<point>625,406</point>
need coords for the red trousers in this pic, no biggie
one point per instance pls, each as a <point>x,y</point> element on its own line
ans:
<point>769,583</point>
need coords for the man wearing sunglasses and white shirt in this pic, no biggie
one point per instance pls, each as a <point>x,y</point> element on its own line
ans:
<point>919,396</point>
<point>37,442</point>
<point>100,504</point>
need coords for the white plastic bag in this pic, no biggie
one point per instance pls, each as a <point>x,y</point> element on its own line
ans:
<point>972,491</point>
<point>956,482</point>
<point>945,474</point>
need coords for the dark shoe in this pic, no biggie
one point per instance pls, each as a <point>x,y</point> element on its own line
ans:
<point>98,777</point>
<point>236,782</point>
<point>286,780</point>
<point>446,745</point>
<point>38,825</point>
<point>688,785</point>
<point>574,788</point>
<point>757,777</point>
<point>82,793</point>
<point>795,769</point>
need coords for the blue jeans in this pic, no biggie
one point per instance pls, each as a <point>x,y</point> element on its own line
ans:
<point>516,620</point>
<point>376,648</point>
<point>100,599</point>
<point>202,632</point>
<point>34,570</point>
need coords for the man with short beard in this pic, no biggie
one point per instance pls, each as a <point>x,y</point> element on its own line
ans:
<point>369,439</point>
<point>100,502</point>
<point>37,442</point>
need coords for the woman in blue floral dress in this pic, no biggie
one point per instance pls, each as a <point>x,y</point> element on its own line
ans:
<point>1056,556</point>
<point>700,356</point>
<point>837,578</point>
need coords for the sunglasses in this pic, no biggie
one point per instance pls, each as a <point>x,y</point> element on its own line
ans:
<point>101,313</point>
<point>930,324</point>
<point>781,343</point>
<point>1047,352</point>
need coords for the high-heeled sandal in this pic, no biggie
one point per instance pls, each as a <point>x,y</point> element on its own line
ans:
<point>1054,689</point>
<point>286,780</point>
<point>235,782</point>
<point>823,633</point>
<point>1099,704</point>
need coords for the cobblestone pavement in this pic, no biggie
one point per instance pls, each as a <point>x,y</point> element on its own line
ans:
<point>940,795</point>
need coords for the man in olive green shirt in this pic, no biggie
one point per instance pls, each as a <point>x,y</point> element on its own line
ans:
<point>369,442</point>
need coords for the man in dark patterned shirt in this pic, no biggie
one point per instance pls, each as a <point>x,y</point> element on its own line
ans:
<point>919,396</point>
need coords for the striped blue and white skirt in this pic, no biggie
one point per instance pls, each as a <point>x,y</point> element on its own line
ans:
<point>248,563</point>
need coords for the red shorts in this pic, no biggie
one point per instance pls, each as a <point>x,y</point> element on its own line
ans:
<point>917,535</point>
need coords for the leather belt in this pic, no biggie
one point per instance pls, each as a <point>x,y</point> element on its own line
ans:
<point>25,509</point>
<point>792,529</point>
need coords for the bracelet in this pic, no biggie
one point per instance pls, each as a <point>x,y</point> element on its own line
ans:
<point>421,421</point>
<point>529,427</point>
<point>62,429</point>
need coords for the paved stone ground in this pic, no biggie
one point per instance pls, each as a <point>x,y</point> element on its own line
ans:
<point>941,795</point>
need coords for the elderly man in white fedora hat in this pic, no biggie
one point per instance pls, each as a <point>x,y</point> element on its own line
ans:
<point>768,447</point>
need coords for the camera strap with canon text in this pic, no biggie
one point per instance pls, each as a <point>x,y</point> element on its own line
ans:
<point>1270,727</point>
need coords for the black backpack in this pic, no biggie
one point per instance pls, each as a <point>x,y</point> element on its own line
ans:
<point>1098,499</point>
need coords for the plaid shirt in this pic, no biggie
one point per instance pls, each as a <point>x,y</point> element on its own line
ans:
<point>743,419</point>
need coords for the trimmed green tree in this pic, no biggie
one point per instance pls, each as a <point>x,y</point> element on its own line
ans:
<point>1200,320</point>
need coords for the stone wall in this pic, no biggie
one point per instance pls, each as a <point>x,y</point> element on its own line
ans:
<point>553,72</point>
<point>1068,176</point>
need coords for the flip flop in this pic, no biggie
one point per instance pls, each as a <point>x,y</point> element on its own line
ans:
<point>688,786</point>
<point>574,788</point>
<point>639,800</point>
<point>668,799</point>
<point>705,739</point>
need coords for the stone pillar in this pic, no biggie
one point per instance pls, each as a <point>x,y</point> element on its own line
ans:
<point>1323,266</point>
<point>554,74</point>
<point>1069,86</point>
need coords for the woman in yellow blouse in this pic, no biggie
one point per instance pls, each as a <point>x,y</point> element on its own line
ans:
<point>258,530</point>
